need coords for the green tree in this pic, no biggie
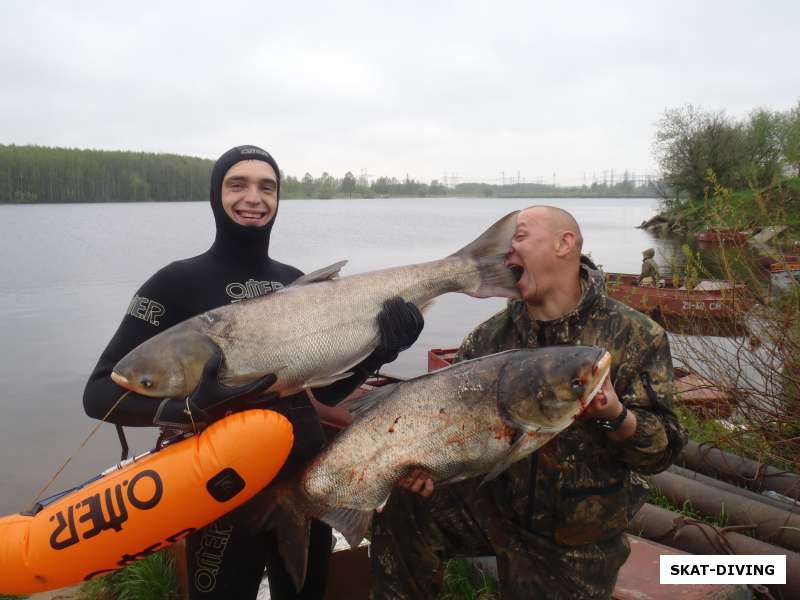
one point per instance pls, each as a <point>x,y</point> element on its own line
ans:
<point>307,185</point>
<point>690,141</point>
<point>348,185</point>
<point>325,186</point>
<point>791,138</point>
<point>41,174</point>
<point>763,133</point>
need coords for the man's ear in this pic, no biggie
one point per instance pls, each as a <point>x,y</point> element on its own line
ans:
<point>566,244</point>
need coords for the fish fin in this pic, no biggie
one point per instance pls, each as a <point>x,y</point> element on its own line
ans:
<point>353,524</point>
<point>490,250</point>
<point>382,505</point>
<point>231,379</point>
<point>456,478</point>
<point>360,405</point>
<point>323,274</point>
<point>426,306</point>
<point>276,509</point>
<point>326,381</point>
<point>293,547</point>
<point>522,446</point>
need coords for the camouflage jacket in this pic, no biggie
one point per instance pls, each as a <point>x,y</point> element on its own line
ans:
<point>583,487</point>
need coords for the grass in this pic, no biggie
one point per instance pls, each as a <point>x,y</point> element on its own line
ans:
<point>686,509</point>
<point>746,208</point>
<point>748,443</point>
<point>152,578</point>
<point>701,430</point>
<point>465,581</point>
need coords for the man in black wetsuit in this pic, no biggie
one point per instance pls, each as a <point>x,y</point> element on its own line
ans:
<point>227,558</point>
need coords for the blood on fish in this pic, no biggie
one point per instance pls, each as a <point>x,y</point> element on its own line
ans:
<point>505,432</point>
<point>391,428</point>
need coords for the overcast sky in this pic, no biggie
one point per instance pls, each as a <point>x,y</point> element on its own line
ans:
<point>473,89</point>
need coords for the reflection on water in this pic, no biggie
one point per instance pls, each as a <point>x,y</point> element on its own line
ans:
<point>68,271</point>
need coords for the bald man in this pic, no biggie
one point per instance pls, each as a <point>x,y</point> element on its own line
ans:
<point>555,521</point>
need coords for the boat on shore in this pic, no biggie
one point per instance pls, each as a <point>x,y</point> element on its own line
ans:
<point>678,308</point>
<point>784,272</point>
<point>723,236</point>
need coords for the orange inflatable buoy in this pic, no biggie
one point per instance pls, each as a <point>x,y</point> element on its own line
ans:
<point>144,506</point>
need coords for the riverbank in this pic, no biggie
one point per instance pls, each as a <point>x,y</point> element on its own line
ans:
<point>740,210</point>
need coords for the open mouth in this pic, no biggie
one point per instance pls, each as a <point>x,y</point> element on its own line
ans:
<point>119,379</point>
<point>516,271</point>
<point>250,215</point>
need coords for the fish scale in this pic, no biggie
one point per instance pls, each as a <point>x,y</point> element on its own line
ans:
<point>314,331</point>
<point>472,419</point>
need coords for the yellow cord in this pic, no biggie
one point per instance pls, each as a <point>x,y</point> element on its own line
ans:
<point>85,441</point>
<point>188,411</point>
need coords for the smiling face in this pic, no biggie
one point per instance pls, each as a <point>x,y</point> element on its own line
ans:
<point>250,193</point>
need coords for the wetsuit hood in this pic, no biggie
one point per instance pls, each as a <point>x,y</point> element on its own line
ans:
<point>232,238</point>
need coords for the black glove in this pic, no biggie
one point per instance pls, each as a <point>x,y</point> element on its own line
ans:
<point>212,400</point>
<point>400,324</point>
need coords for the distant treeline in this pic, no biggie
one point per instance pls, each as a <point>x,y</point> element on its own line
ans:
<point>625,188</point>
<point>37,174</point>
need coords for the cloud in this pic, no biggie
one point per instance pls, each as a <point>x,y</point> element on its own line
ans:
<point>421,88</point>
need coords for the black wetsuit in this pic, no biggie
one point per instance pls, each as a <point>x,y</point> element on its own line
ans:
<point>225,560</point>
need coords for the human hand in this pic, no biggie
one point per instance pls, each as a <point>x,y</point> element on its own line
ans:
<point>399,324</point>
<point>418,481</point>
<point>213,400</point>
<point>605,404</point>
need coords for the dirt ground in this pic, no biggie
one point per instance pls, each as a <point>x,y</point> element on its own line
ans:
<point>69,593</point>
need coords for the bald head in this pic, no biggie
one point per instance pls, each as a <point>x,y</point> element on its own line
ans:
<point>557,220</point>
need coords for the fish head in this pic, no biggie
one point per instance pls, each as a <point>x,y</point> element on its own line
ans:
<point>169,364</point>
<point>546,388</point>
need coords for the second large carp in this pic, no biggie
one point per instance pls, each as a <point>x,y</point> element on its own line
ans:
<point>473,419</point>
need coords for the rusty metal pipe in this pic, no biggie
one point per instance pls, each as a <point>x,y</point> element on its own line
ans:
<point>717,463</point>
<point>773,525</point>
<point>788,504</point>
<point>675,530</point>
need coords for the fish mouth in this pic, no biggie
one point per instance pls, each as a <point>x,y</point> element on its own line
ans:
<point>120,380</point>
<point>600,372</point>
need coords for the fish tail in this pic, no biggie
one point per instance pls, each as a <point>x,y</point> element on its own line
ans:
<point>280,511</point>
<point>489,251</point>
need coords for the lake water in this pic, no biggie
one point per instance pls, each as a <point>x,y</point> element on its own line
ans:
<point>67,273</point>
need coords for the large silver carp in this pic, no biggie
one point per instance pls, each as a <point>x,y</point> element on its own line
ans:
<point>310,333</point>
<point>471,419</point>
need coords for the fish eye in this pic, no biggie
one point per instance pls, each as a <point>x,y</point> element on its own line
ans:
<point>146,382</point>
<point>578,386</point>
